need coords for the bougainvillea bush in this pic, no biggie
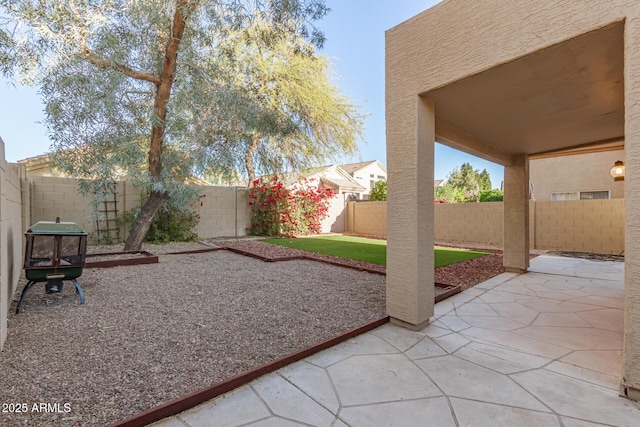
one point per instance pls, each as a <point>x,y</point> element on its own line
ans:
<point>279,211</point>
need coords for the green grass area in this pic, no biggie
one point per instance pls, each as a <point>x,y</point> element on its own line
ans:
<point>369,250</point>
<point>446,256</point>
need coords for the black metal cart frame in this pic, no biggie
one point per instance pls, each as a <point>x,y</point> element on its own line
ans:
<point>54,252</point>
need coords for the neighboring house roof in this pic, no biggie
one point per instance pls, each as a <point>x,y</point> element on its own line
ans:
<point>35,159</point>
<point>343,184</point>
<point>287,178</point>
<point>332,176</point>
<point>337,178</point>
<point>41,166</point>
<point>194,180</point>
<point>352,168</point>
<point>438,183</point>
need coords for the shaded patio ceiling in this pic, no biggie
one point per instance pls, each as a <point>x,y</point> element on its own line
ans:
<point>568,95</point>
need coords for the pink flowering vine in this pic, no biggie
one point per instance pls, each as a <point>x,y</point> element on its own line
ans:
<point>278,211</point>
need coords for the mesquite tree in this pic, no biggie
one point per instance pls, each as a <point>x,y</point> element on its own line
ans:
<point>293,117</point>
<point>129,84</point>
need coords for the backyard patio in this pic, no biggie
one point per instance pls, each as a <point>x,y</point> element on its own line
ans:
<point>152,333</point>
<point>541,348</point>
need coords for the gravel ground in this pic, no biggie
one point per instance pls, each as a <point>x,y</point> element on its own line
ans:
<point>151,333</point>
<point>463,274</point>
<point>275,252</point>
<point>471,272</point>
<point>151,248</point>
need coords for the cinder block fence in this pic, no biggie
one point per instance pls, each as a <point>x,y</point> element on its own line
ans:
<point>223,211</point>
<point>577,225</point>
<point>11,235</point>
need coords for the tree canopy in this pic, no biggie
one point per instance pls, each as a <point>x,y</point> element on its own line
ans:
<point>160,89</point>
<point>286,112</point>
<point>465,184</point>
<point>379,191</point>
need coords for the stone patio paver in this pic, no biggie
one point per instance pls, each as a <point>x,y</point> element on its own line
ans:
<point>542,348</point>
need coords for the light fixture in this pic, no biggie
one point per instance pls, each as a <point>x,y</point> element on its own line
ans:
<point>617,171</point>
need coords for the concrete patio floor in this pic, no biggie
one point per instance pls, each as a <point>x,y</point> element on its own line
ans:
<point>538,349</point>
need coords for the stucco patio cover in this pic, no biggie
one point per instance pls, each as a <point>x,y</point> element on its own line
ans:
<point>504,80</point>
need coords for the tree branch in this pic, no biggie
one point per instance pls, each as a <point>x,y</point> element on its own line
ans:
<point>139,75</point>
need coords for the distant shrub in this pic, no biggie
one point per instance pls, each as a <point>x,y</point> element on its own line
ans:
<point>171,224</point>
<point>449,194</point>
<point>379,192</point>
<point>491,196</point>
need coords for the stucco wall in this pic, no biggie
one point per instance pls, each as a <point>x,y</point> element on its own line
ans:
<point>11,235</point>
<point>578,172</point>
<point>336,220</point>
<point>224,212</point>
<point>438,46</point>
<point>458,39</point>
<point>631,353</point>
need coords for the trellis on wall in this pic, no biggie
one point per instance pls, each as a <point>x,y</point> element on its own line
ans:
<point>107,229</point>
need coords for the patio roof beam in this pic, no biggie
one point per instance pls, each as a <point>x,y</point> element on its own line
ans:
<point>611,144</point>
<point>449,135</point>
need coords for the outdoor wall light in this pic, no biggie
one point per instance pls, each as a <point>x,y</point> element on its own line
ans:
<point>617,171</point>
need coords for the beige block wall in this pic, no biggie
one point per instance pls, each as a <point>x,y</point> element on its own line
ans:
<point>11,236</point>
<point>577,226</point>
<point>469,223</point>
<point>351,224</point>
<point>582,226</point>
<point>368,218</point>
<point>224,211</point>
<point>53,197</point>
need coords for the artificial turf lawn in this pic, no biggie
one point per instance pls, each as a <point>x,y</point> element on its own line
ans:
<point>369,250</point>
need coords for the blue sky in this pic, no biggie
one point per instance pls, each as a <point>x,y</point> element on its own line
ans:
<point>355,44</point>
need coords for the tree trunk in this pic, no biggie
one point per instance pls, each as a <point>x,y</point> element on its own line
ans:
<point>163,91</point>
<point>249,158</point>
<point>143,221</point>
<point>157,199</point>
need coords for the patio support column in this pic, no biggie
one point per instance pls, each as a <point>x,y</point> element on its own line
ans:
<point>630,386</point>
<point>516,215</point>
<point>410,257</point>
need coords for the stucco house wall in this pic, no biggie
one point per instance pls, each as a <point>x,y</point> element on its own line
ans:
<point>438,56</point>
<point>575,173</point>
<point>366,174</point>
